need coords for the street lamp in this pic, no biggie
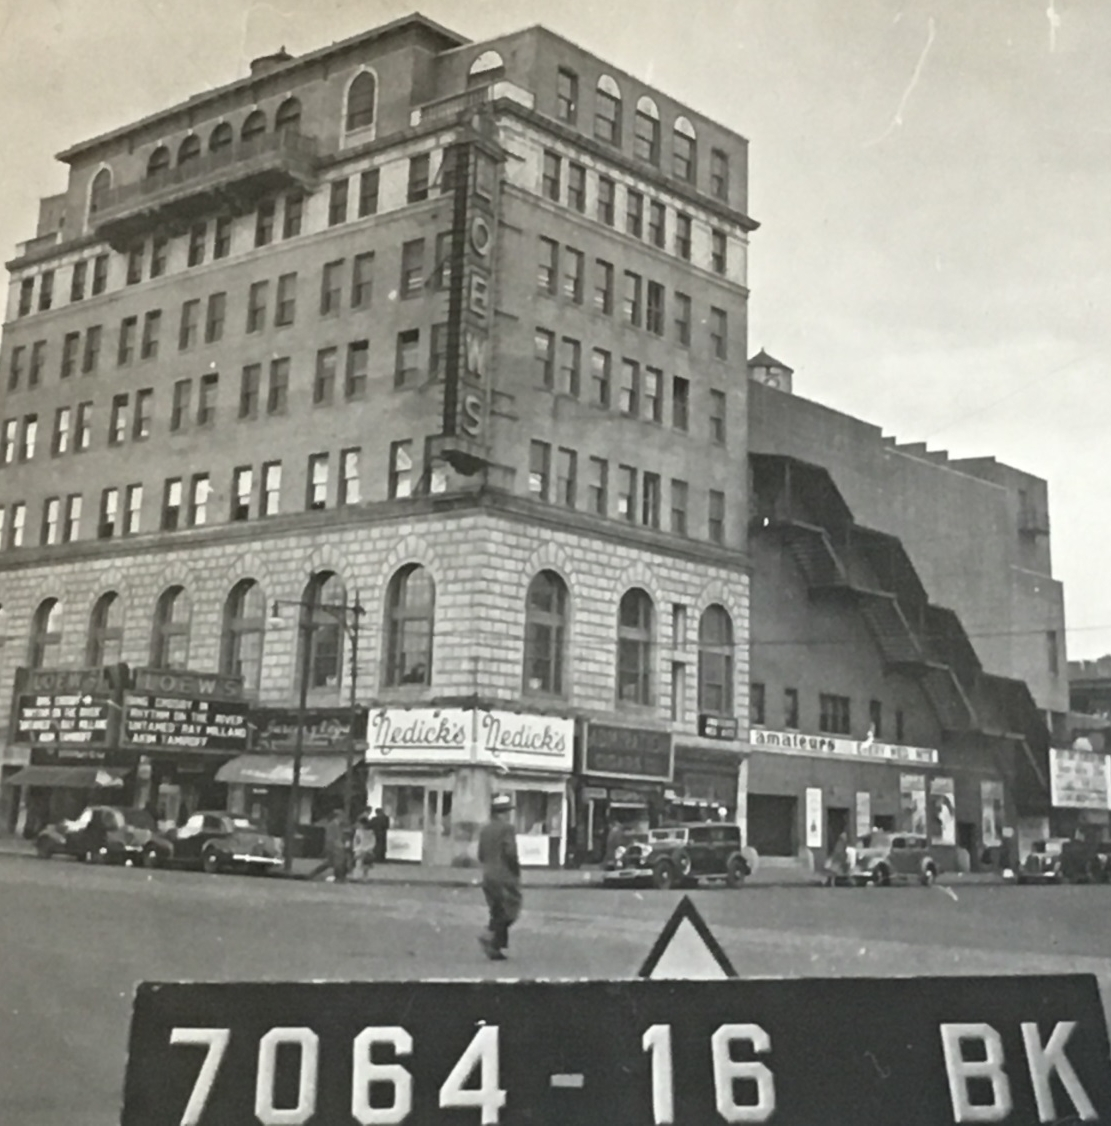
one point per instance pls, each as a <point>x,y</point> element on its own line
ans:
<point>348,617</point>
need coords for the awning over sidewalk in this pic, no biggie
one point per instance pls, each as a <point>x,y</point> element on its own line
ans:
<point>317,771</point>
<point>67,777</point>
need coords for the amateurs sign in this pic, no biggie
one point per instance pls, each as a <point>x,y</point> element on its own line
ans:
<point>449,736</point>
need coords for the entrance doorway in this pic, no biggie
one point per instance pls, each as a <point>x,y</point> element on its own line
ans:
<point>437,827</point>
<point>837,822</point>
<point>773,824</point>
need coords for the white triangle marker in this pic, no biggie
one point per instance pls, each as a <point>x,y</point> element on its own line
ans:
<point>686,950</point>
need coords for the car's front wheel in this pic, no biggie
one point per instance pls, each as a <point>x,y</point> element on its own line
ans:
<point>44,849</point>
<point>1096,871</point>
<point>881,876</point>
<point>664,874</point>
<point>929,875</point>
<point>735,871</point>
<point>211,862</point>
<point>151,859</point>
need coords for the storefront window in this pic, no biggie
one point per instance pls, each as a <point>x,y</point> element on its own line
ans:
<point>405,806</point>
<point>170,641</point>
<point>46,635</point>
<point>410,615</point>
<point>715,662</point>
<point>533,812</point>
<point>241,640</point>
<point>106,630</point>
<point>545,632</point>
<point>634,648</point>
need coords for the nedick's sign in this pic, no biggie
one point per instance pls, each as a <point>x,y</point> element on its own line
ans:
<point>458,736</point>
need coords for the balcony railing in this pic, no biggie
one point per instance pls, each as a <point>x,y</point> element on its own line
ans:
<point>287,145</point>
<point>449,109</point>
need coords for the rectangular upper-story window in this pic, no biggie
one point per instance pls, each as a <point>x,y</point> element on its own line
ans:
<point>324,379</point>
<point>576,187</point>
<point>46,290</point>
<point>144,414</point>
<point>249,382</point>
<point>634,213</point>
<point>682,319</point>
<point>566,472</point>
<point>680,492</point>
<point>680,403</point>
<point>135,263</point>
<point>627,493</point>
<point>152,329</point>
<point>294,215</point>
<point>256,306</point>
<point>206,400</point>
<point>607,201</point>
<point>547,267</point>
<point>189,329</point>
<point>198,243</point>
<point>277,393</point>
<point>100,274</point>
<point>650,500</point>
<point>51,521</point>
<point>349,490</point>
<point>631,303</point>
<point>400,481</point>
<point>834,716</point>
<point>715,522</point>
<point>654,309</point>
<point>368,192</point>
<point>18,523</point>
<point>337,202</point>
<point>77,280</point>
<point>567,95</point>
<point>133,503</point>
<point>417,190</point>
<point>441,272</point>
<point>242,483</point>
<point>551,178</point>
<point>657,223</point>
<point>597,486</point>
<point>215,315</point>
<point>717,417</point>
<point>539,469</point>
<point>544,353</point>
<point>271,488</point>
<point>646,137</point>
<point>683,156</point>
<point>200,489</point>
<point>791,708</point>
<point>16,367</point>
<point>406,370</point>
<point>264,223</point>
<point>90,361</point>
<point>607,117</point>
<point>719,334</point>
<point>60,442</point>
<point>109,513</point>
<point>26,297</point>
<point>628,392</point>
<point>71,343</point>
<point>9,441</point>
<point>117,420</point>
<point>653,394</point>
<point>718,245</point>
<point>221,243</point>
<point>28,437</point>
<point>683,236</point>
<point>179,408</point>
<point>83,427</point>
<point>159,253</point>
<point>129,328</point>
<point>412,268</point>
<point>171,504</point>
<point>38,362</point>
<point>316,482</point>
<point>601,374</point>
<point>285,307</point>
<point>331,287</point>
<point>362,280</point>
<point>573,274</point>
<point>719,174</point>
<point>72,529</point>
<point>570,367</point>
<point>358,365</point>
<point>603,286</point>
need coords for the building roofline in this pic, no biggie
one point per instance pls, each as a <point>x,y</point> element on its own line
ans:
<point>451,39</point>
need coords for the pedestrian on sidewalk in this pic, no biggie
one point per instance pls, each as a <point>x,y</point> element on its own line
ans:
<point>501,877</point>
<point>363,844</point>
<point>380,827</point>
<point>335,848</point>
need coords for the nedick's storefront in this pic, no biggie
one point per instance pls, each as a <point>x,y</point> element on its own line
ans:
<point>435,770</point>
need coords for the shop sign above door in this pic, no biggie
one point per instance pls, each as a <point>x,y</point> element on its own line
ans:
<point>830,745</point>
<point>628,752</point>
<point>459,736</point>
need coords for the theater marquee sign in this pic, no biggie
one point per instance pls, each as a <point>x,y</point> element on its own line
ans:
<point>469,736</point>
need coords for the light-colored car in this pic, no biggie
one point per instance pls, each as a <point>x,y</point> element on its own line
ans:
<point>681,854</point>
<point>886,858</point>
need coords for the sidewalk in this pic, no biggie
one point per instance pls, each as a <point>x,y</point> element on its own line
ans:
<point>771,873</point>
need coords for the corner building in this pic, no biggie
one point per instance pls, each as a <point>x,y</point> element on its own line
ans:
<point>454,332</point>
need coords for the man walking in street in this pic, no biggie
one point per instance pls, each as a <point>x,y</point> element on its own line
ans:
<point>501,877</point>
<point>335,848</point>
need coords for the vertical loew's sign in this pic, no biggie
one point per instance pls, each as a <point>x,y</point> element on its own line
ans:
<point>471,171</point>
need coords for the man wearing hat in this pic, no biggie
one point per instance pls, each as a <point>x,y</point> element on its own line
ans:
<point>501,876</point>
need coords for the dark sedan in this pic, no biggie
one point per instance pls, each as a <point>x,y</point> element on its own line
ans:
<point>103,834</point>
<point>215,842</point>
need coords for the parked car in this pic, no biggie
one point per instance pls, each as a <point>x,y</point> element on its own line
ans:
<point>1043,863</point>
<point>102,834</point>
<point>215,842</point>
<point>681,854</point>
<point>886,858</point>
<point>1086,859</point>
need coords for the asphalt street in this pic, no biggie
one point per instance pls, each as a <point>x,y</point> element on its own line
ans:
<point>74,941</point>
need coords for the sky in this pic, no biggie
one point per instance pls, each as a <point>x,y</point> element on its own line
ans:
<point>932,179</point>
